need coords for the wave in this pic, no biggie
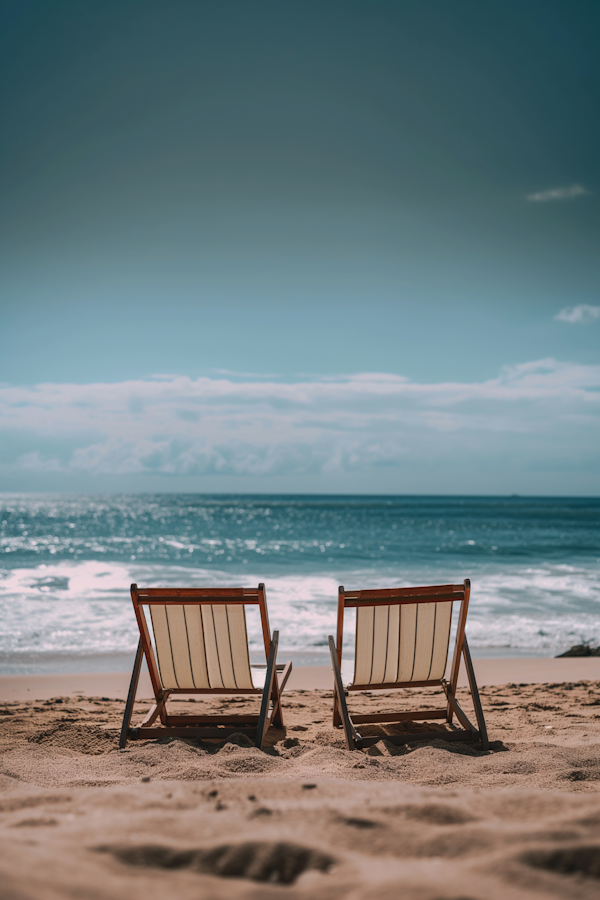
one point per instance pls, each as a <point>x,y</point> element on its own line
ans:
<point>79,608</point>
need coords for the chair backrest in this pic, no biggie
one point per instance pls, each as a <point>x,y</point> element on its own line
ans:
<point>402,635</point>
<point>197,639</point>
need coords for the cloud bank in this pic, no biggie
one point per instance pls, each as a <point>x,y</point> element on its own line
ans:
<point>541,413</point>
<point>560,193</point>
<point>582,314</point>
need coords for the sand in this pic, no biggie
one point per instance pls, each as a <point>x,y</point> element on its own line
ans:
<point>116,684</point>
<point>305,818</point>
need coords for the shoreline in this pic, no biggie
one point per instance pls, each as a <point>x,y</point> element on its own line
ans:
<point>489,672</point>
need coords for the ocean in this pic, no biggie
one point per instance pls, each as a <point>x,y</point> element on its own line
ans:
<point>66,563</point>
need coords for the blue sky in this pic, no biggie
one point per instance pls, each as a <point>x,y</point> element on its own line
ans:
<point>357,243</point>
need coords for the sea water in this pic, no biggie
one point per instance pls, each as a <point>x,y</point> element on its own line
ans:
<point>66,563</point>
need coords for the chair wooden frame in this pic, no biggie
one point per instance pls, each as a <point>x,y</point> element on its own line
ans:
<point>203,726</point>
<point>399,596</point>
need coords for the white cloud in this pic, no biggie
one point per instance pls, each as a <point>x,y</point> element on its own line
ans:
<point>178,426</point>
<point>37,463</point>
<point>561,193</point>
<point>582,314</point>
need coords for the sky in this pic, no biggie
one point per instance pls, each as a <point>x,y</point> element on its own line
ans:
<point>302,247</point>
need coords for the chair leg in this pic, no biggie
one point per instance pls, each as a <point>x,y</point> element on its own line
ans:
<point>340,698</point>
<point>157,710</point>
<point>461,716</point>
<point>277,713</point>
<point>475,696</point>
<point>337,719</point>
<point>133,684</point>
<point>263,718</point>
<point>150,717</point>
<point>287,671</point>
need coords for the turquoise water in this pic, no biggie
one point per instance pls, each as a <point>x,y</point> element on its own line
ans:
<point>67,562</point>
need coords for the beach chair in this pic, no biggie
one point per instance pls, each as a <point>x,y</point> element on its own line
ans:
<point>402,639</point>
<point>195,642</point>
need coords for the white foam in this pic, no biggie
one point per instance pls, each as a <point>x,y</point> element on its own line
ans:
<point>85,608</point>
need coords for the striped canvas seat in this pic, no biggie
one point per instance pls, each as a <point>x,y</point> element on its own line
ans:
<point>402,643</point>
<point>195,641</point>
<point>402,640</point>
<point>202,646</point>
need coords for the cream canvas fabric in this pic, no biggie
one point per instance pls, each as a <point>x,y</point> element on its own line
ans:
<point>402,642</point>
<point>201,646</point>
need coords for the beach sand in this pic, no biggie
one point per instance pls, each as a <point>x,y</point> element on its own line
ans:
<point>305,818</point>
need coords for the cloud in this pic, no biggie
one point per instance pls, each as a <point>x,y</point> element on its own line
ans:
<point>561,193</point>
<point>176,426</point>
<point>582,314</point>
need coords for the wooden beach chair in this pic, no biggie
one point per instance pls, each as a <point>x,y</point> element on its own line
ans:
<point>195,642</point>
<point>402,639</point>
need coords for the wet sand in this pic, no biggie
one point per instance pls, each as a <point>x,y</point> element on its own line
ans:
<point>115,684</point>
